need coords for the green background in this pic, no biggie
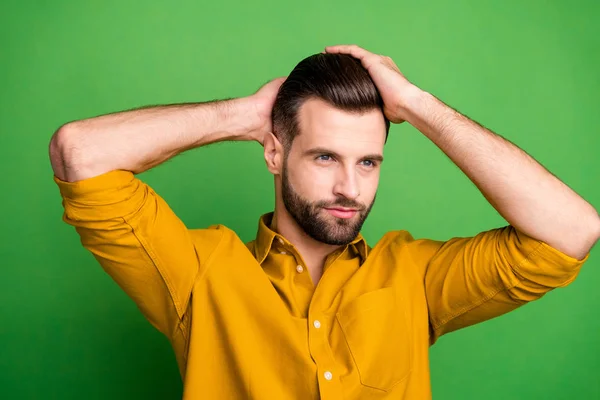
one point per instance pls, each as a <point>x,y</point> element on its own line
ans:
<point>527,70</point>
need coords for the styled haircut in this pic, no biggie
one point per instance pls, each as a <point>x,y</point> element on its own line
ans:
<point>338,79</point>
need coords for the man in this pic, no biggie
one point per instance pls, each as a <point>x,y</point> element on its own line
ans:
<point>308,309</point>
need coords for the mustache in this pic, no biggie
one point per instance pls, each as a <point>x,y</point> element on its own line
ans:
<point>341,202</point>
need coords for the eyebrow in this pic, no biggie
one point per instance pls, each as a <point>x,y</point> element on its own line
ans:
<point>322,150</point>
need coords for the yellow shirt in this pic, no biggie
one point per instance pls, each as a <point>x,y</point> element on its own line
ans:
<point>246,322</point>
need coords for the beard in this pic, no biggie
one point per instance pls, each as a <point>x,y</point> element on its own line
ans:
<point>319,224</point>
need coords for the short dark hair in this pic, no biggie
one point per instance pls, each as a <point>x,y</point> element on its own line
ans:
<point>338,79</point>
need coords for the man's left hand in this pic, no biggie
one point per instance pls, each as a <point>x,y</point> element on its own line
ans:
<point>395,89</point>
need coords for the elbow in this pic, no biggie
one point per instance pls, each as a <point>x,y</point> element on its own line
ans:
<point>596,231</point>
<point>578,242</point>
<point>63,152</point>
<point>591,238</point>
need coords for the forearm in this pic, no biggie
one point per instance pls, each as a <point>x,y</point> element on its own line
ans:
<point>528,196</point>
<point>140,139</point>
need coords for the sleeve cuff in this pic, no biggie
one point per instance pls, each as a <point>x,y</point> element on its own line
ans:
<point>558,268</point>
<point>80,189</point>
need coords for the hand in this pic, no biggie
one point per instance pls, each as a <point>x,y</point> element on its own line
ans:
<point>394,88</point>
<point>262,102</point>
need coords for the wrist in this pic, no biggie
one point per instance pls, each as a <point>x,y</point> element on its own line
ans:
<point>411,101</point>
<point>427,113</point>
<point>244,117</point>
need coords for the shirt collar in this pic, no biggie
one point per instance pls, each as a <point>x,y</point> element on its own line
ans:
<point>265,236</point>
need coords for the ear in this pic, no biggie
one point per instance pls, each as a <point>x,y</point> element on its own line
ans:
<point>273,153</point>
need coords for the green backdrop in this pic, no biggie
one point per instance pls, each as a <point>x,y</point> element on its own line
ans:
<point>527,70</point>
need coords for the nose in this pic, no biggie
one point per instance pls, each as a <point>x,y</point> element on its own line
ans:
<point>347,184</point>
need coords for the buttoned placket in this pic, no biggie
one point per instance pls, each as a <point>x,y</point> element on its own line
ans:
<point>329,383</point>
<point>299,267</point>
<point>318,327</point>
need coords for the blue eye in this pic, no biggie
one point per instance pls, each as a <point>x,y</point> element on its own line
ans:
<point>369,163</point>
<point>324,157</point>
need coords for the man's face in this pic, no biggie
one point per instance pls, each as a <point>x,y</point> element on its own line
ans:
<point>331,173</point>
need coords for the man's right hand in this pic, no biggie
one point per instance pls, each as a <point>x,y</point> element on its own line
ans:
<point>263,101</point>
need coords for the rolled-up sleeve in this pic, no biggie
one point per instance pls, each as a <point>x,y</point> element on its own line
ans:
<point>473,279</point>
<point>139,242</point>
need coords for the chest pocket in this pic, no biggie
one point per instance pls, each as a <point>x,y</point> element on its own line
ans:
<point>378,336</point>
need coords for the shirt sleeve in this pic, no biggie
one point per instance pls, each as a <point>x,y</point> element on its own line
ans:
<point>473,279</point>
<point>139,242</point>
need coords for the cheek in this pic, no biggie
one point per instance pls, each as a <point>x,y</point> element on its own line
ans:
<point>312,183</point>
<point>369,187</point>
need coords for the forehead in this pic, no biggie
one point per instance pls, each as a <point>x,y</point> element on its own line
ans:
<point>323,125</point>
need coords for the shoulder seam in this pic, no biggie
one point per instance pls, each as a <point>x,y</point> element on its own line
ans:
<point>208,261</point>
<point>153,258</point>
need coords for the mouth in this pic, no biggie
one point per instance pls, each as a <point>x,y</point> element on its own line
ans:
<point>342,212</point>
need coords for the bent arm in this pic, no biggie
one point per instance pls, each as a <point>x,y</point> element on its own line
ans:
<point>528,196</point>
<point>128,227</point>
<point>138,140</point>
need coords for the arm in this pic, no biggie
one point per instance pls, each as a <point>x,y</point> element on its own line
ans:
<point>141,139</point>
<point>528,196</point>
<point>130,230</point>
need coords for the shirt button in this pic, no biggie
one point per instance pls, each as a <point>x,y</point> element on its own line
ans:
<point>328,375</point>
<point>299,268</point>
<point>283,252</point>
<point>280,240</point>
<point>317,323</point>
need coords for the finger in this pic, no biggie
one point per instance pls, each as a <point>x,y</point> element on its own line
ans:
<point>352,49</point>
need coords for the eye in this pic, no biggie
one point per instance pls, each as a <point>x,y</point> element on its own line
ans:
<point>324,157</point>
<point>369,163</point>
